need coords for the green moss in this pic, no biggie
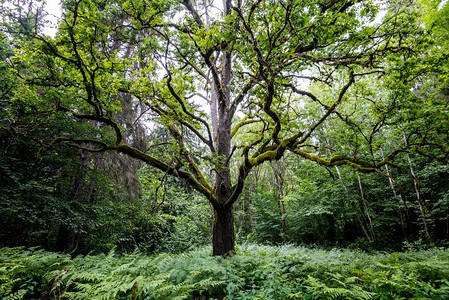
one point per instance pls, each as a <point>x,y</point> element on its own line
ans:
<point>265,156</point>
<point>335,158</point>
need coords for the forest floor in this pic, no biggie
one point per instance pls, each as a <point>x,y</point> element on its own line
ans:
<point>254,272</point>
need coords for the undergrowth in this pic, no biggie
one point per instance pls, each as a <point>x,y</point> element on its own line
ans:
<point>255,272</point>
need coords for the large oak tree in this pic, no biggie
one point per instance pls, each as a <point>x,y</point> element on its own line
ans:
<point>228,83</point>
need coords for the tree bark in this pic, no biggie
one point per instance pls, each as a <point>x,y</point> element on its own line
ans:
<point>223,237</point>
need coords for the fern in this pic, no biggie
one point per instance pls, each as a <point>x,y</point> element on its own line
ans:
<point>255,272</point>
<point>342,290</point>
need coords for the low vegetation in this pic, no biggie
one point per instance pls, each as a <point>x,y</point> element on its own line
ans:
<point>255,272</point>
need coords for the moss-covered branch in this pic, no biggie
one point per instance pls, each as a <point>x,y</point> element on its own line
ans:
<point>170,170</point>
<point>243,122</point>
<point>336,160</point>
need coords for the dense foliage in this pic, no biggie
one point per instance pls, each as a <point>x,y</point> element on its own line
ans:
<point>255,272</point>
<point>62,204</point>
<point>328,208</point>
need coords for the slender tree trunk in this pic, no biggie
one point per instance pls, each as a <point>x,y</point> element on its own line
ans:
<point>401,215</point>
<point>418,193</point>
<point>214,97</point>
<point>253,180</point>
<point>362,225</point>
<point>364,211</point>
<point>279,179</point>
<point>283,217</point>
<point>342,202</point>
<point>447,227</point>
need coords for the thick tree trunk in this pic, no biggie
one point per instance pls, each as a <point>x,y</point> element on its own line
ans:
<point>223,237</point>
